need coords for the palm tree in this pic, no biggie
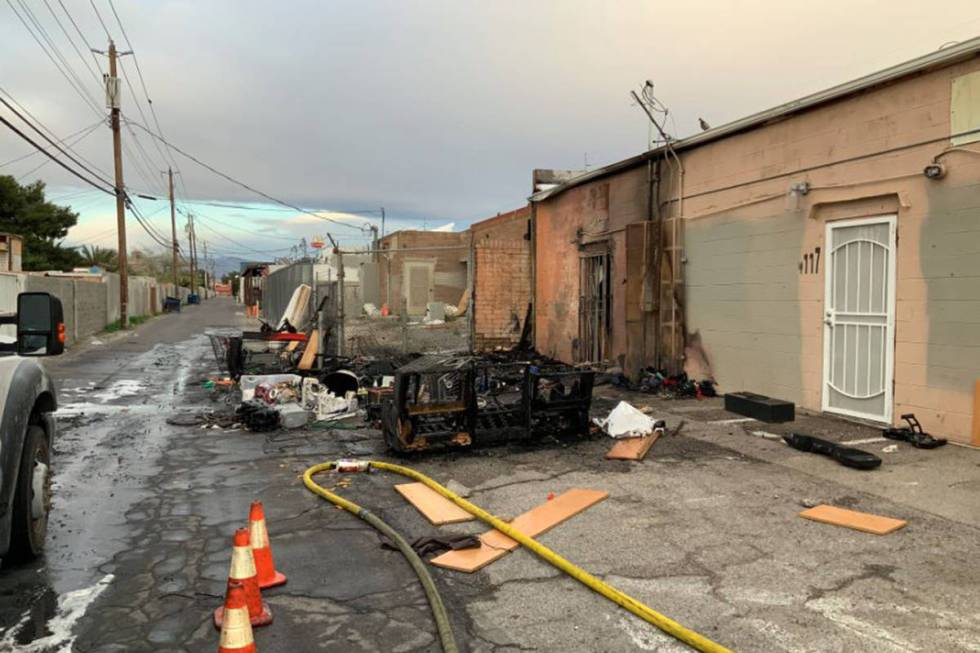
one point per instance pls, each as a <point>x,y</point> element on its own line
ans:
<point>103,257</point>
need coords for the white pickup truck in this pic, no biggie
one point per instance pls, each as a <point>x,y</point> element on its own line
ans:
<point>27,404</point>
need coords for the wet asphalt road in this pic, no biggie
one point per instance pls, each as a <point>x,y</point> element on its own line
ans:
<point>706,529</point>
<point>140,530</point>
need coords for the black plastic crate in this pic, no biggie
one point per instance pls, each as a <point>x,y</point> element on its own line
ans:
<point>760,407</point>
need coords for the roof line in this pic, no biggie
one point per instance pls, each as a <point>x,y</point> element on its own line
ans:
<point>938,58</point>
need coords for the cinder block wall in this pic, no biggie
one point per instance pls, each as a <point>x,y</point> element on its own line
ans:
<point>89,309</point>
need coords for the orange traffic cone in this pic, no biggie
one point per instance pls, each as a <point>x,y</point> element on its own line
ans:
<point>243,572</point>
<point>259,535</point>
<point>236,631</point>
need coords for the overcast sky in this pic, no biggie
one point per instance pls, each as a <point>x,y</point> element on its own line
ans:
<point>437,111</point>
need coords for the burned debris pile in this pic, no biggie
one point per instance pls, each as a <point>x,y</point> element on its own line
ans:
<point>418,401</point>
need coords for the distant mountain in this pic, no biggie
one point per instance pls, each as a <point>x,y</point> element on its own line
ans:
<point>225,264</point>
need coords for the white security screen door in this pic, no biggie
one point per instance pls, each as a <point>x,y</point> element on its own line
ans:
<point>859,318</point>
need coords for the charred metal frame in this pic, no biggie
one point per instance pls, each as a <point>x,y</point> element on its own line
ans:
<point>462,400</point>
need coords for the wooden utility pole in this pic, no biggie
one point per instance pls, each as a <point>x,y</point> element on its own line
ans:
<point>112,95</point>
<point>173,227</point>
<point>207,267</point>
<point>190,249</point>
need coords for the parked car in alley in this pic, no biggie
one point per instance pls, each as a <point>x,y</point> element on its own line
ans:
<point>27,428</point>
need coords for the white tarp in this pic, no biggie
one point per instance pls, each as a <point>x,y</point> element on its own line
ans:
<point>625,421</point>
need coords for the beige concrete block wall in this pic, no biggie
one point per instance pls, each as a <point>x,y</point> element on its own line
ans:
<point>937,326</point>
<point>744,301</point>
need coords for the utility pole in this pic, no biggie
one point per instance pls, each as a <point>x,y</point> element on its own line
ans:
<point>190,249</point>
<point>173,226</point>
<point>112,96</point>
<point>207,267</point>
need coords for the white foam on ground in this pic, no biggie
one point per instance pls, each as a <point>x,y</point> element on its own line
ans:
<point>121,388</point>
<point>71,608</point>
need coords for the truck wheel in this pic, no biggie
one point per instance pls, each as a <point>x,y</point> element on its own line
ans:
<point>32,499</point>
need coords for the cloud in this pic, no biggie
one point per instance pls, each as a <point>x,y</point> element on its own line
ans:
<point>437,111</point>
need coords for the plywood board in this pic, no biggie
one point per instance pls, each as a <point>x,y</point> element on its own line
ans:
<point>860,521</point>
<point>433,506</point>
<point>632,448</point>
<point>494,544</point>
<point>309,354</point>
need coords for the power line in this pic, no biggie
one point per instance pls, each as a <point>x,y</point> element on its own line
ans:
<point>146,92</point>
<point>204,223</point>
<point>240,228</point>
<point>53,143</point>
<point>71,40</point>
<point>102,22</point>
<point>70,136</point>
<point>47,161</point>
<point>241,183</point>
<point>50,132</point>
<point>86,97</point>
<point>98,64</point>
<point>54,158</point>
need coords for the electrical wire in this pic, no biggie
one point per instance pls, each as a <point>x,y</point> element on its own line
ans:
<point>80,89</point>
<point>91,50</point>
<point>204,223</point>
<point>102,22</point>
<point>51,133</point>
<point>72,41</point>
<point>86,130</point>
<point>47,161</point>
<point>146,92</point>
<point>241,183</point>
<point>54,158</point>
<point>53,143</point>
<point>242,229</point>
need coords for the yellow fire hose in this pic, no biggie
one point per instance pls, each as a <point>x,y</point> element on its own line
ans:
<point>666,624</point>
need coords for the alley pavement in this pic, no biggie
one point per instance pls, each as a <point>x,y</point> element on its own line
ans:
<point>705,530</point>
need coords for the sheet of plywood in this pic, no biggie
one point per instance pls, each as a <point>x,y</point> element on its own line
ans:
<point>632,448</point>
<point>860,521</point>
<point>291,347</point>
<point>309,354</point>
<point>494,544</point>
<point>433,506</point>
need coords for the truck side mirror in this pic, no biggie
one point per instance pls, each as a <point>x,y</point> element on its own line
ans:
<point>40,325</point>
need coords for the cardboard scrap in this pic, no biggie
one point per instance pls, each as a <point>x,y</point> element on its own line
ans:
<point>632,448</point>
<point>538,520</point>
<point>436,508</point>
<point>859,521</point>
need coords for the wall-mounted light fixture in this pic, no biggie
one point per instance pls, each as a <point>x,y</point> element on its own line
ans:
<point>934,170</point>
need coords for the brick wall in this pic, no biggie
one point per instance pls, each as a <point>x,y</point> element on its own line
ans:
<point>502,286</point>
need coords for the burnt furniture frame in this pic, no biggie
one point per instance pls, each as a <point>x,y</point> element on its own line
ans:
<point>463,400</point>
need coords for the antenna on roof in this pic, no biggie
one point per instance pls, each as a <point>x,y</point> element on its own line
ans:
<point>654,108</point>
